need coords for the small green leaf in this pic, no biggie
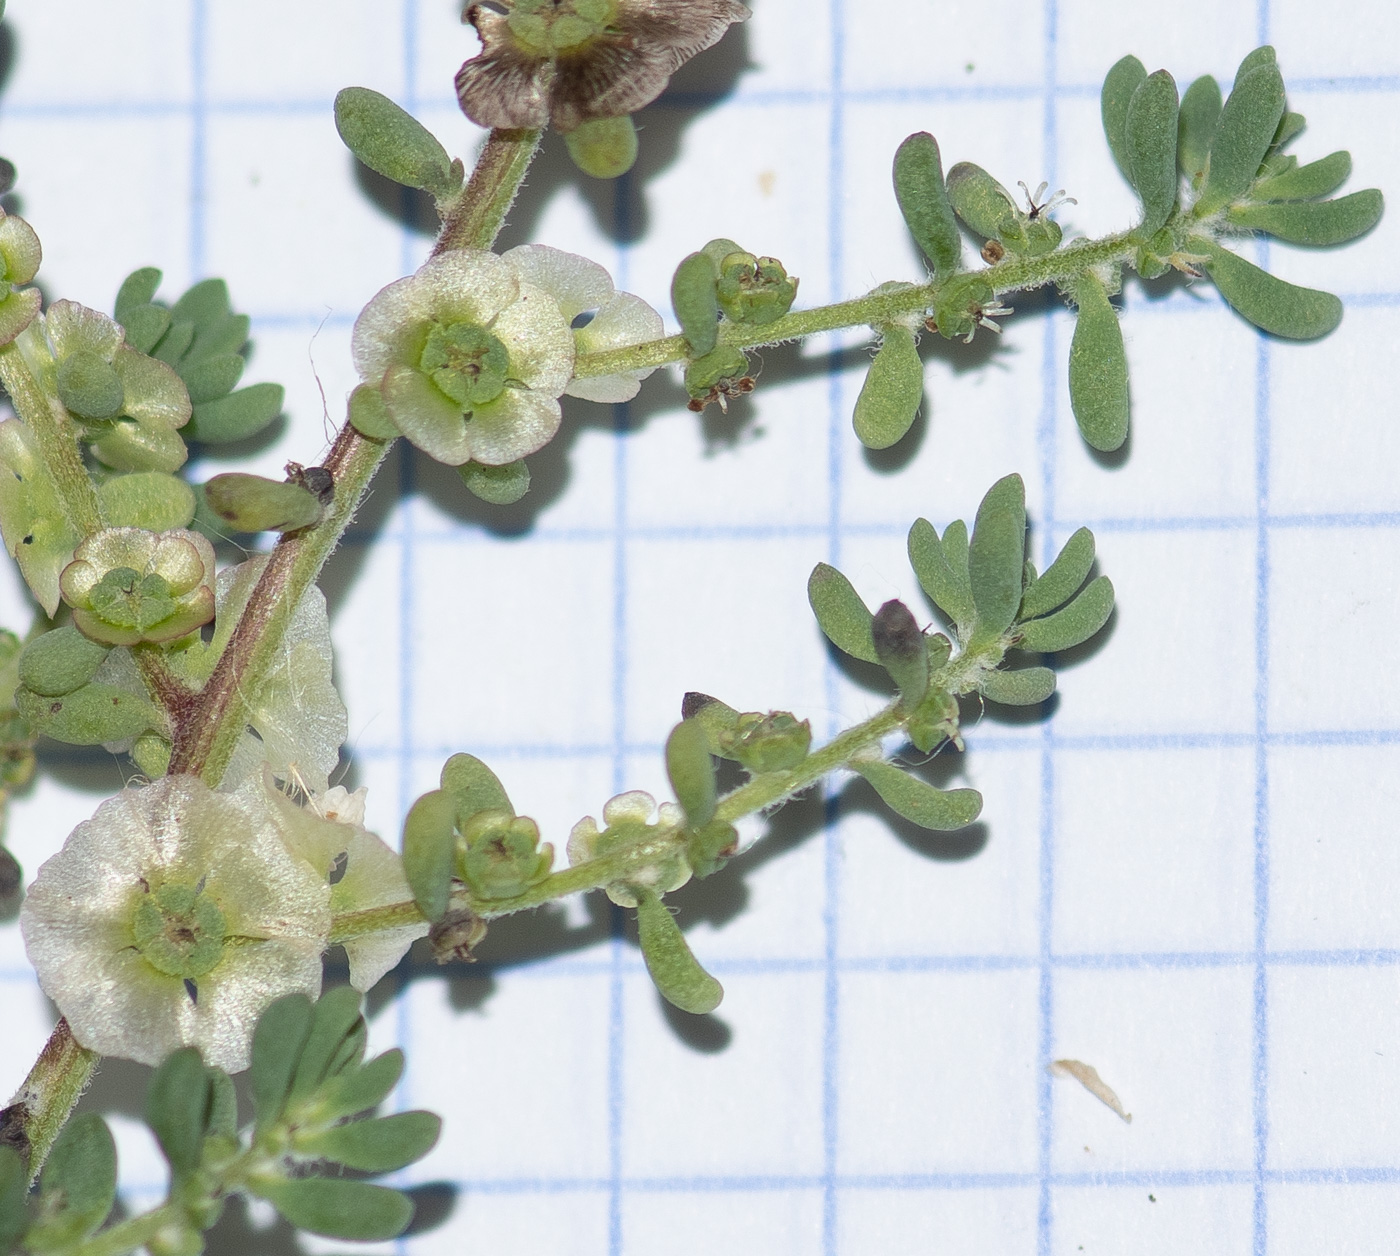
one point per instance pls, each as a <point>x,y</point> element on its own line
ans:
<point>380,1145</point>
<point>144,326</point>
<point>204,305</point>
<point>841,614</point>
<point>335,1025</point>
<point>223,1104</point>
<point>473,786</point>
<point>1317,223</point>
<point>429,844</point>
<point>89,716</point>
<point>236,417</point>
<point>338,1208</point>
<point>369,415</point>
<point>605,148</point>
<point>948,588</point>
<point>719,720</point>
<point>1262,55</point>
<point>500,486</point>
<point>14,1194</point>
<point>1122,81</point>
<point>1077,622</point>
<point>89,385</point>
<point>138,289</point>
<point>356,1090</point>
<point>696,305</point>
<point>59,661</point>
<point>1062,578</point>
<point>894,385</point>
<point>1289,126</point>
<point>923,200</point>
<point>278,1040</point>
<point>177,1105</point>
<point>1247,124</point>
<point>1200,114</point>
<point>902,651</point>
<point>996,555</point>
<point>675,970</point>
<point>1150,137</point>
<point>1098,368</point>
<point>392,142</point>
<point>981,202</point>
<point>1025,687</point>
<point>1268,302</point>
<point>1302,183</point>
<point>252,503</point>
<point>146,499</point>
<point>692,772</point>
<point>213,377</point>
<point>79,1184</point>
<point>938,809</point>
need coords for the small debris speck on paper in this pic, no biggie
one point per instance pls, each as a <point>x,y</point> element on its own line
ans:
<point>1088,1077</point>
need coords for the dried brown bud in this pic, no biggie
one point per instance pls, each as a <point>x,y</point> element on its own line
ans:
<point>454,936</point>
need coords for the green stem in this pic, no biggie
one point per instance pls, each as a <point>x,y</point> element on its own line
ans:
<point>872,310</point>
<point>49,1093</point>
<point>127,1236</point>
<point>58,442</point>
<point>475,220</point>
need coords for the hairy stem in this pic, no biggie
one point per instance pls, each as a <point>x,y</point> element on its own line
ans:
<point>41,1105</point>
<point>475,220</point>
<point>874,309</point>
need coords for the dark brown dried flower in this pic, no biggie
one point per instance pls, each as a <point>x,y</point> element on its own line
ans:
<point>574,61</point>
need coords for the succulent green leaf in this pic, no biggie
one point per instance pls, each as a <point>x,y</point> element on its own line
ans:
<point>336,1032</point>
<point>841,614</point>
<point>675,970</point>
<point>903,653</point>
<point>1062,578</point>
<point>1076,623</point>
<point>1024,687</point>
<point>146,499</point>
<point>429,843</point>
<point>369,415</point>
<point>1149,133</point>
<point>719,720</point>
<point>252,503</point>
<point>1248,121</point>
<point>473,786</point>
<point>946,586</point>
<point>695,302</point>
<point>226,333</point>
<point>14,1194</point>
<point>175,343</point>
<point>89,716</point>
<point>144,326</point>
<point>1317,223</point>
<point>996,555</point>
<point>981,202</point>
<point>223,1104</point>
<point>356,1090</point>
<point>1121,82</point>
<point>79,1184</point>
<point>138,289</point>
<point>1262,55</point>
<point>338,1208</point>
<point>392,142</point>
<point>692,772</point>
<point>380,1145</point>
<point>923,200</point>
<point>1268,302</point>
<point>605,148</point>
<point>500,486</point>
<point>1098,368</point>
<point>89,385</point>
<point>205,304</point>
<point>236,417</point>
<point>894,385</point>
<point>1302,183</point>
<point>177,1106</point>
<point>59,661</point>
<point>212,377</point>
<point>1289,126</point>
<point>278,1040</point>
<point>1200,114</point>
<point>938,809</point>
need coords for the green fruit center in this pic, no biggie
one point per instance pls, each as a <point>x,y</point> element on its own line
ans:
<point>466,362</point>
<point>179,930</point>
<point>549,28</point>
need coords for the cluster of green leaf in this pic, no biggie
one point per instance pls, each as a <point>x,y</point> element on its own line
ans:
<point>309,1082</point>
<point>1203,170</point>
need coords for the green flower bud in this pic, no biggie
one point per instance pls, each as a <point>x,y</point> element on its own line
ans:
<point>128,585</point>
<point>500,855</point>
<point>771,743</point>
<point>704,373</point>
<point>754,290</point>
<point>605,148</point>
<point>252,503</point>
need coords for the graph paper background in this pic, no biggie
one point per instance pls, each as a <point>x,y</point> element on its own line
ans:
<point>1186,876</point>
